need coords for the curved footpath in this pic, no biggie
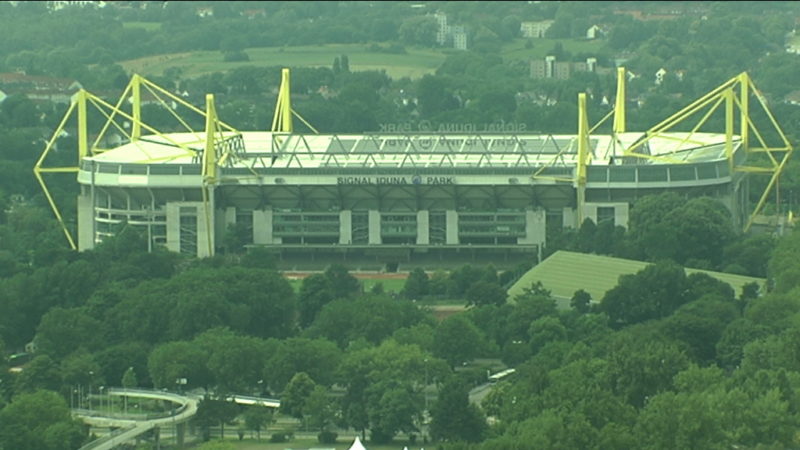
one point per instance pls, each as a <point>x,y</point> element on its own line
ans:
<point>131,428</point>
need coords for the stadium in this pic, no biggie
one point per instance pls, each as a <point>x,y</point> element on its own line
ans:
<point>394,198</point>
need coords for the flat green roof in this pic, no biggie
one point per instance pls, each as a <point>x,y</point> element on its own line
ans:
<point>563,273</point>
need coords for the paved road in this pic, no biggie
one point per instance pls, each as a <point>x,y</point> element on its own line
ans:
<point>476,395</point>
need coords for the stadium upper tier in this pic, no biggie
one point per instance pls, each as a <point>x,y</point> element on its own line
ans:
<point>263,153</point>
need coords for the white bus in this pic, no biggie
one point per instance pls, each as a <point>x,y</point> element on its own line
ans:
<point>501,375</point>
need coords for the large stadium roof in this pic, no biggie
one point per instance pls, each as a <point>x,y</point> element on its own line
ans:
<point>416,150</point>
<point>565,272</point>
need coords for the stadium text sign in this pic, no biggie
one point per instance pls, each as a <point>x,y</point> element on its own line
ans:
<point>416,179</point>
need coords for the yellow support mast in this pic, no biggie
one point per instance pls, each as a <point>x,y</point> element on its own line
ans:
<point>136,86</point>
<point>79,103</point>
<point>583,156</point>
<point>619,104</point>
<point>282,120</point>
<point>209,170</point>
<point>744,107</point>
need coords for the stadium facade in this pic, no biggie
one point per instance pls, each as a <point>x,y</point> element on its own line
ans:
<point>395,197</point>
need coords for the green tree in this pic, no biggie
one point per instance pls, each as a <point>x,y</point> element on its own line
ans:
<point>395,407</point>
<point>211,412</point>
<point>40,421</point>
<point>129,380</point>
<point>545,330</point>
<point>485,293</point>
<point>416,285</point>
<point>318,358</point>
<point>296,393</point>
<point>235,362</point>
<point>581,301</point>
<point>704,228</point>
<point>642,364</point>
<point>63,331</point>
<point>80,369</point>
<point>176,360</point>
<point>534,303</point>
<point>418,30</point>
<point>433,95</point>
<point>734,337</point>
<point>319,409</point>
<point>343,284</point>
<point>652,293</point>
<point>315,292</point>
<point>382,385</point>
<point>700,324</point>
<point>41,373</point>
<point>783,267</point>
<point>457,340</point>
<point>371,318</point>
<point>421,335</point>
<point>454,418</point>
<point>257,418</point>
<point>645,222</point>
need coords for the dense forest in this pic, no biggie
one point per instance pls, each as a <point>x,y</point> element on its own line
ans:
<point>664,360</point>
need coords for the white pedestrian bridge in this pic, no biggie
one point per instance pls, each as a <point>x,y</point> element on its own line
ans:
<point>130,426</point>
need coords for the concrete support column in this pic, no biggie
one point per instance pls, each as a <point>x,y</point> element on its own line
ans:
<point>589,212</point>
<point>173,227</point>
<point>535,230</point>
<point>423,227</point>
<point>451,224</point>
<point>230,216</point>
<point>180,434</point>
<point>345,227</point>
<point>224,218</point>
<point>621,214</point>
<point>570,218</point>
<point>85,222</point>
<point>535,227</point>
<point>205,249</point>
<point>374,224</point>
<point>262,227</point>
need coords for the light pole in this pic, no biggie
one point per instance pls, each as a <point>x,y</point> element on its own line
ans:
<point>89,396</point>
<point>426,384</point>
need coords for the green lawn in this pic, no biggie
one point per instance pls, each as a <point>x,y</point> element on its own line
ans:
<point>147,26</point>
<point>298,444</point>
<point>390,285</point>
<point>415,63</point>
<point>516,50</point>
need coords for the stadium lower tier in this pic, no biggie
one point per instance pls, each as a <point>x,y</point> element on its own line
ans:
<point>377,225</point>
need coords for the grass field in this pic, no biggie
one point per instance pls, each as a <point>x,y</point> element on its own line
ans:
<point>391,282</point>
<point>414,64</point>
<point>147,26</point>
<point>516,50</point>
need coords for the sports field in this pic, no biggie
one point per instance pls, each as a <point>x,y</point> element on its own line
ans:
<point>528,49</point>
<point>392,282</point>
<point>415,63</point>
